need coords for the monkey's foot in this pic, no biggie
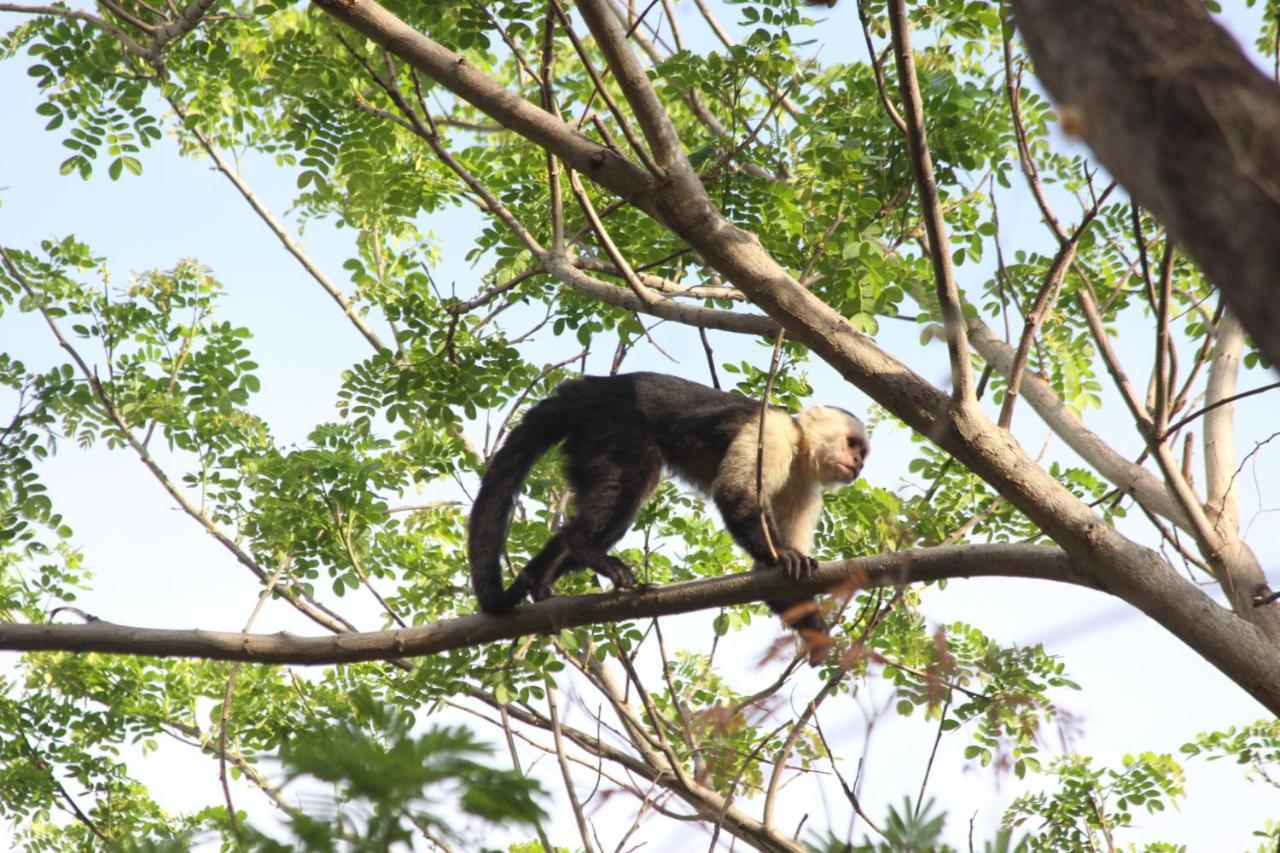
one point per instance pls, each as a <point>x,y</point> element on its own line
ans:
<point>615,571</point>
<point>543,593</point>
<point>634,588</point>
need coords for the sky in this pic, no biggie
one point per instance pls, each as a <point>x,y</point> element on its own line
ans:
<point>1143,689</point>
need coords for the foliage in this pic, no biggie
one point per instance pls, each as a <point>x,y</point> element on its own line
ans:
<point>1256,745</point>
<point>387,782</point>
<point>1091,805</point>
<point>916,829</point>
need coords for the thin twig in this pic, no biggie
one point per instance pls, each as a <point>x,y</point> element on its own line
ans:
<point>711,357</point>
<point>849,792</point>
<point>76,15</point>
<point>515,763</point>
<point>1225,401</point>
<point>611,248</point>
<point>515,406</point>
<point>933,753</point>
<point>549,104</point>
<point>764,413</point>
<point>228,694</point>
<point>578,815</point>
<point>935,226</point>
<point>877,69</point>
<point>1040,306</point>
<point>277,228</point>
<point>1025,160</point>
<point>1163,377</point>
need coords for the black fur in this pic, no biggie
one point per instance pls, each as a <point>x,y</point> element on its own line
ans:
<point>617,433</point>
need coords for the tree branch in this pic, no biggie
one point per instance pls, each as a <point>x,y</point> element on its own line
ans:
<point>1028,561</point>
<point>631,76</point>
<point>1047,296</point>
<point>934,224</point>
<point>664,285</point>
<point>691,315</point>
<point>1219,428</point>
<point>178,27</point>
<point>78,15</point>
<point>1270,386</point>
<point>602,164</point>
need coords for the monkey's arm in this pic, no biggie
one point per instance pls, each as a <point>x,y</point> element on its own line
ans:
<point>749,478</point>
<point>748,524</point>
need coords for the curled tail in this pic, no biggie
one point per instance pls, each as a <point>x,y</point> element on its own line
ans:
<point>543,426</point>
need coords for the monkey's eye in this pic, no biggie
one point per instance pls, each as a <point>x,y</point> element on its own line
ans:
<point>855,443</point>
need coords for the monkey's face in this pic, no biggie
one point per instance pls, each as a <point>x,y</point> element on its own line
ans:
<point>836,443</point>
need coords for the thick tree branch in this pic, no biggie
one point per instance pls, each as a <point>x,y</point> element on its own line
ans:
<point>631,76</point>
<point>1239,565</point>
<point>693,99</point>
<point>558,264</point>
<point>1029,561</point>
<point>602,164</point>
<point>1179,115</point>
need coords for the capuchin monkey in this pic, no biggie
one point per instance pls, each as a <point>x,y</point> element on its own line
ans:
<point>618,431</point>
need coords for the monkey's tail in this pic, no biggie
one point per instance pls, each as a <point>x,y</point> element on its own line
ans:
<point>542,427</point>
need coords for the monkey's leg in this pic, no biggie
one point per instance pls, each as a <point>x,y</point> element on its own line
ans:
<point>547,565</point>
<point>612,473</point>
<point>803,617</point>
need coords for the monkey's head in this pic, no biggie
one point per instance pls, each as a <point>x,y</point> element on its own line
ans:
<point>834,444</point>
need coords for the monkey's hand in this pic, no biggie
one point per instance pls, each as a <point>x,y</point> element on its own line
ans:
<point>794,564</point>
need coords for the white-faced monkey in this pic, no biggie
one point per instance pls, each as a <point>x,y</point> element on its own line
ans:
<point>617,433</point>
